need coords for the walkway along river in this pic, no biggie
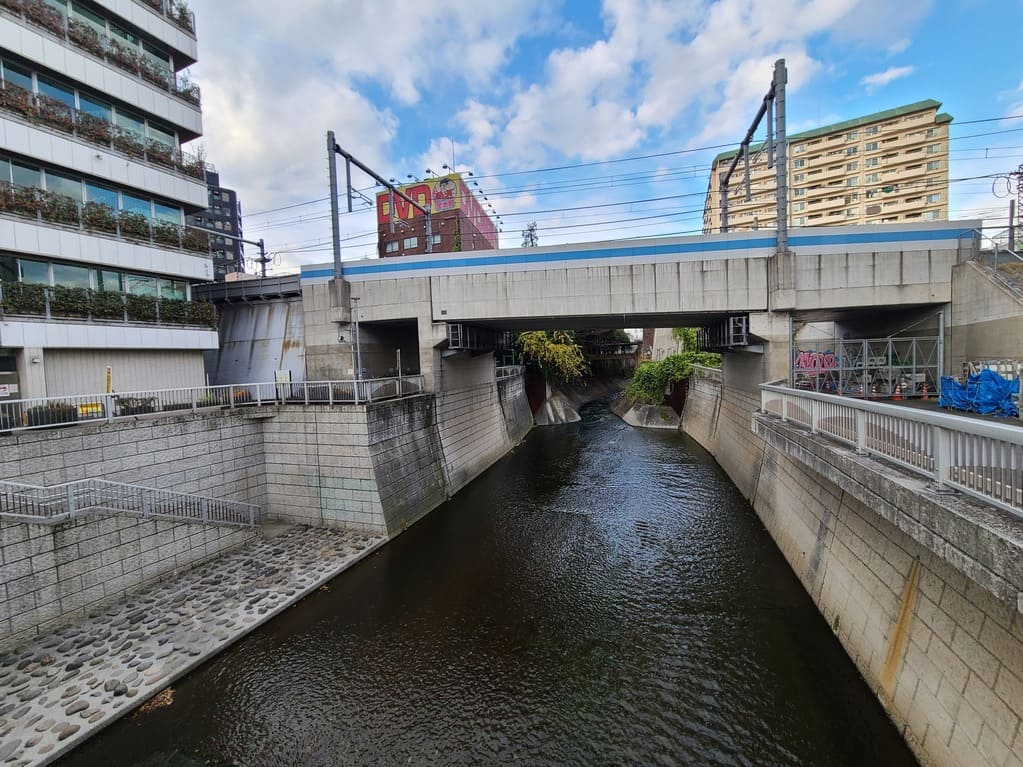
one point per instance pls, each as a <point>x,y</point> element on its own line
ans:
<point>603,595</point>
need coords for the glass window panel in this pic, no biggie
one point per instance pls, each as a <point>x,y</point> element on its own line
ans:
<point>136,205</point>
<point>123,35</point>
<point>90,18</point>
<point>167,213</point>
<point>131,123</point>
<point>8,269</point>
<point>58,5</point>
<point>5,170</point>
<point>95,107</point>
<point>95,193</point>
<point>17,76</point>
<point>34,271</point>
<point>165,137</point>
<point>65,185</point>
<point>109,281</point>
<point>141,285</point>
<point>57,91</point>
<point>71,276</point>
<point>156,55</point>
<point>25,175</point>
<point>172,289</point>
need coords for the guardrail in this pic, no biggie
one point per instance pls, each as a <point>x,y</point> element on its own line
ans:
<point>706,373</point>
<point>84,408</point>
<point>979,458</point>
<point>507,371</point>
<point>49,505</point>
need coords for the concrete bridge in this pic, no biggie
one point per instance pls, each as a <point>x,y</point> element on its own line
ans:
<point>837,272</point>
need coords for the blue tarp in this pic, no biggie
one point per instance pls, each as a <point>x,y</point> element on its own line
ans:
<point>983,392</point>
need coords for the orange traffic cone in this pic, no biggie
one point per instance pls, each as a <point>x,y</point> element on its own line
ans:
<point>897,394</point>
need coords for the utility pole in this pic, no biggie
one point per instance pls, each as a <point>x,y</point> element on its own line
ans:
<point>335,219</point>
<point>262,260</point>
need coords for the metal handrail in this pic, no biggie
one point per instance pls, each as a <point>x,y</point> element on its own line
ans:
<point>507,371</point>
<point>711,374</point>
<point>979,458</point>
<point>58,503</point>
<point>43,412</point>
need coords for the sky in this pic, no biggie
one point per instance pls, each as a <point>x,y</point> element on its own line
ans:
<point>597,120</point>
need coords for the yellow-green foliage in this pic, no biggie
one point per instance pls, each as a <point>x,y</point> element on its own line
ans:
<point>555,353</point>
<point>652,379</point>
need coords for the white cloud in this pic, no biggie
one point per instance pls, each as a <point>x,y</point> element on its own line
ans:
<point>899,46</point>
<point>881,79</point>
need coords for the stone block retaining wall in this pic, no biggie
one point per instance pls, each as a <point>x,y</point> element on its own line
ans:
<point>53,574</point>
<point>921,590</point>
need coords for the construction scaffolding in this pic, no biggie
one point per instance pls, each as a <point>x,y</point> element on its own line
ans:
<point>869,368</point>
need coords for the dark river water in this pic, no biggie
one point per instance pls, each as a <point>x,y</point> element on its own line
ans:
<point>601,596</point>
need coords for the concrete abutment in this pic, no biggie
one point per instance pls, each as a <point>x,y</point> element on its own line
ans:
<point>922,590</point>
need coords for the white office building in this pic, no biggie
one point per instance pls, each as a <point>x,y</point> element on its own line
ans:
<point>96,266</point>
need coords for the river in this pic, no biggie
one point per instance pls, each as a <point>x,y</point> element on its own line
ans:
<point>601,596</point>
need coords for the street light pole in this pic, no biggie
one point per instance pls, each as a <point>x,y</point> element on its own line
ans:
<point>358,348</point>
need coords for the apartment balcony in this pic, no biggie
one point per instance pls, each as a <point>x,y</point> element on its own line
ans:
<point>57,136</point>
<point>169,21</point>
<point>103,64</point>
<point>48,225</point>
<point>42,333</point>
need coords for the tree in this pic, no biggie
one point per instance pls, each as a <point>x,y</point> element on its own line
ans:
<point>651,379</point>
<point>530,239</point>
<point>686,337</point>
<point>555,353</point>
<point>457,246</point>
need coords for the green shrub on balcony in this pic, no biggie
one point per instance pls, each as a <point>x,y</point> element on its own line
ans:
<point>98,217</point>
<point>187,90</point>
<point>174,311</point>
<point>202,313</point>
<point>13,5</point>
<point>18,100</point>
<point>54,114</point>
<point>84,36</point>
<point>52,413</point>
<point>134,225</point>
<point>128,142</point>
<point>166,233</point>
<point>39,13</point>
<point>107,305</point>
<point>141,308</point>
<point>195,241</point>
<point>94,129</point>
<point>122,56</point>
<point>70,302</point>
<point>58,208</point>
<point>180,15</point>
<point>20,200</point>
<point>153,73</point>
<point>24,298</point>
<point>160,153</point>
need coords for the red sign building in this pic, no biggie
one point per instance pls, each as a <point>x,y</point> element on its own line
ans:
<point>459,221</point>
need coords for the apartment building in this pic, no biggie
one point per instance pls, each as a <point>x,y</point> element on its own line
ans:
<point>224,214</point>
<point>96,265</point>
<point>890,166</point>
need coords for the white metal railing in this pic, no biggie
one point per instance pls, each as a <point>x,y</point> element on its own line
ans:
<point>706,373</point>
<point>507,371</point>
<point>979,458</point>
<point>64,411</point>
<point>31,503</point>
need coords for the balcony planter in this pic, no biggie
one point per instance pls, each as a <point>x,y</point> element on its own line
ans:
<point>128,142</point>
<point>202,313</point>
<point>94,129</point>
<point>173,310</point>
<point>159,153</point>
<point>182,16</point>
<point>84,36</point>
<point>58,209</point>
<point>122,56</point>
<point>54,413</point>
<point>156,5</point>
<point>20,200</point>
<point>134,225</point>
<point>187,90</point>
<point>141,308</point>
<point>17,100</point>
<point>107,305</point>
<point>24,298</point>
<point>167,234</point>
<point>15,6</point>
<point>195,241</point>
<point>153,74</point>
<point>40,14</point>
<point>70,302</point>
<point>98,217</point>
<point>54,114</point>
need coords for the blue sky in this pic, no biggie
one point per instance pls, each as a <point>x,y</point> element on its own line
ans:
<point>628,99</point>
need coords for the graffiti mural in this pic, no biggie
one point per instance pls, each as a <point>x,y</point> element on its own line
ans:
<point>815,363</point>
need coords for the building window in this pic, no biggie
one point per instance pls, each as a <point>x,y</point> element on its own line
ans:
<point>410,242</point>
<point>391,247</point>
<point>872,178</point>
<point>850,166</point>
<point>932,198</point>
<point>931,215</point>
<point>799,192</point>
<point>872,162</point>
<point>798,163</point>
<point>854,181</point>
<point>934,149</point>
<point>852,212</point>
<point>435,239</point>
<point>852,135</point>
<point>872,130</point>
<point>799,207</point>
<point>799,221</point>
<point>934,165</point>
<point>799,177</point>
<point>799,149</point>
<point>871,146</point>
<point>849,150</point>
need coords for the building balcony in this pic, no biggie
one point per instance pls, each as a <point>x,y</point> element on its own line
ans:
<point>48,130</point>
<point>42,333</point>
<point>105,65</point>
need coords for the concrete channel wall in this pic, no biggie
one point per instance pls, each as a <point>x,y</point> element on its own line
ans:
<point>374,468</point>
<point>921,590</point>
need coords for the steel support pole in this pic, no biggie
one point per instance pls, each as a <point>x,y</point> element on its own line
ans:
<point>781,170</point>
<point>335,225</point>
